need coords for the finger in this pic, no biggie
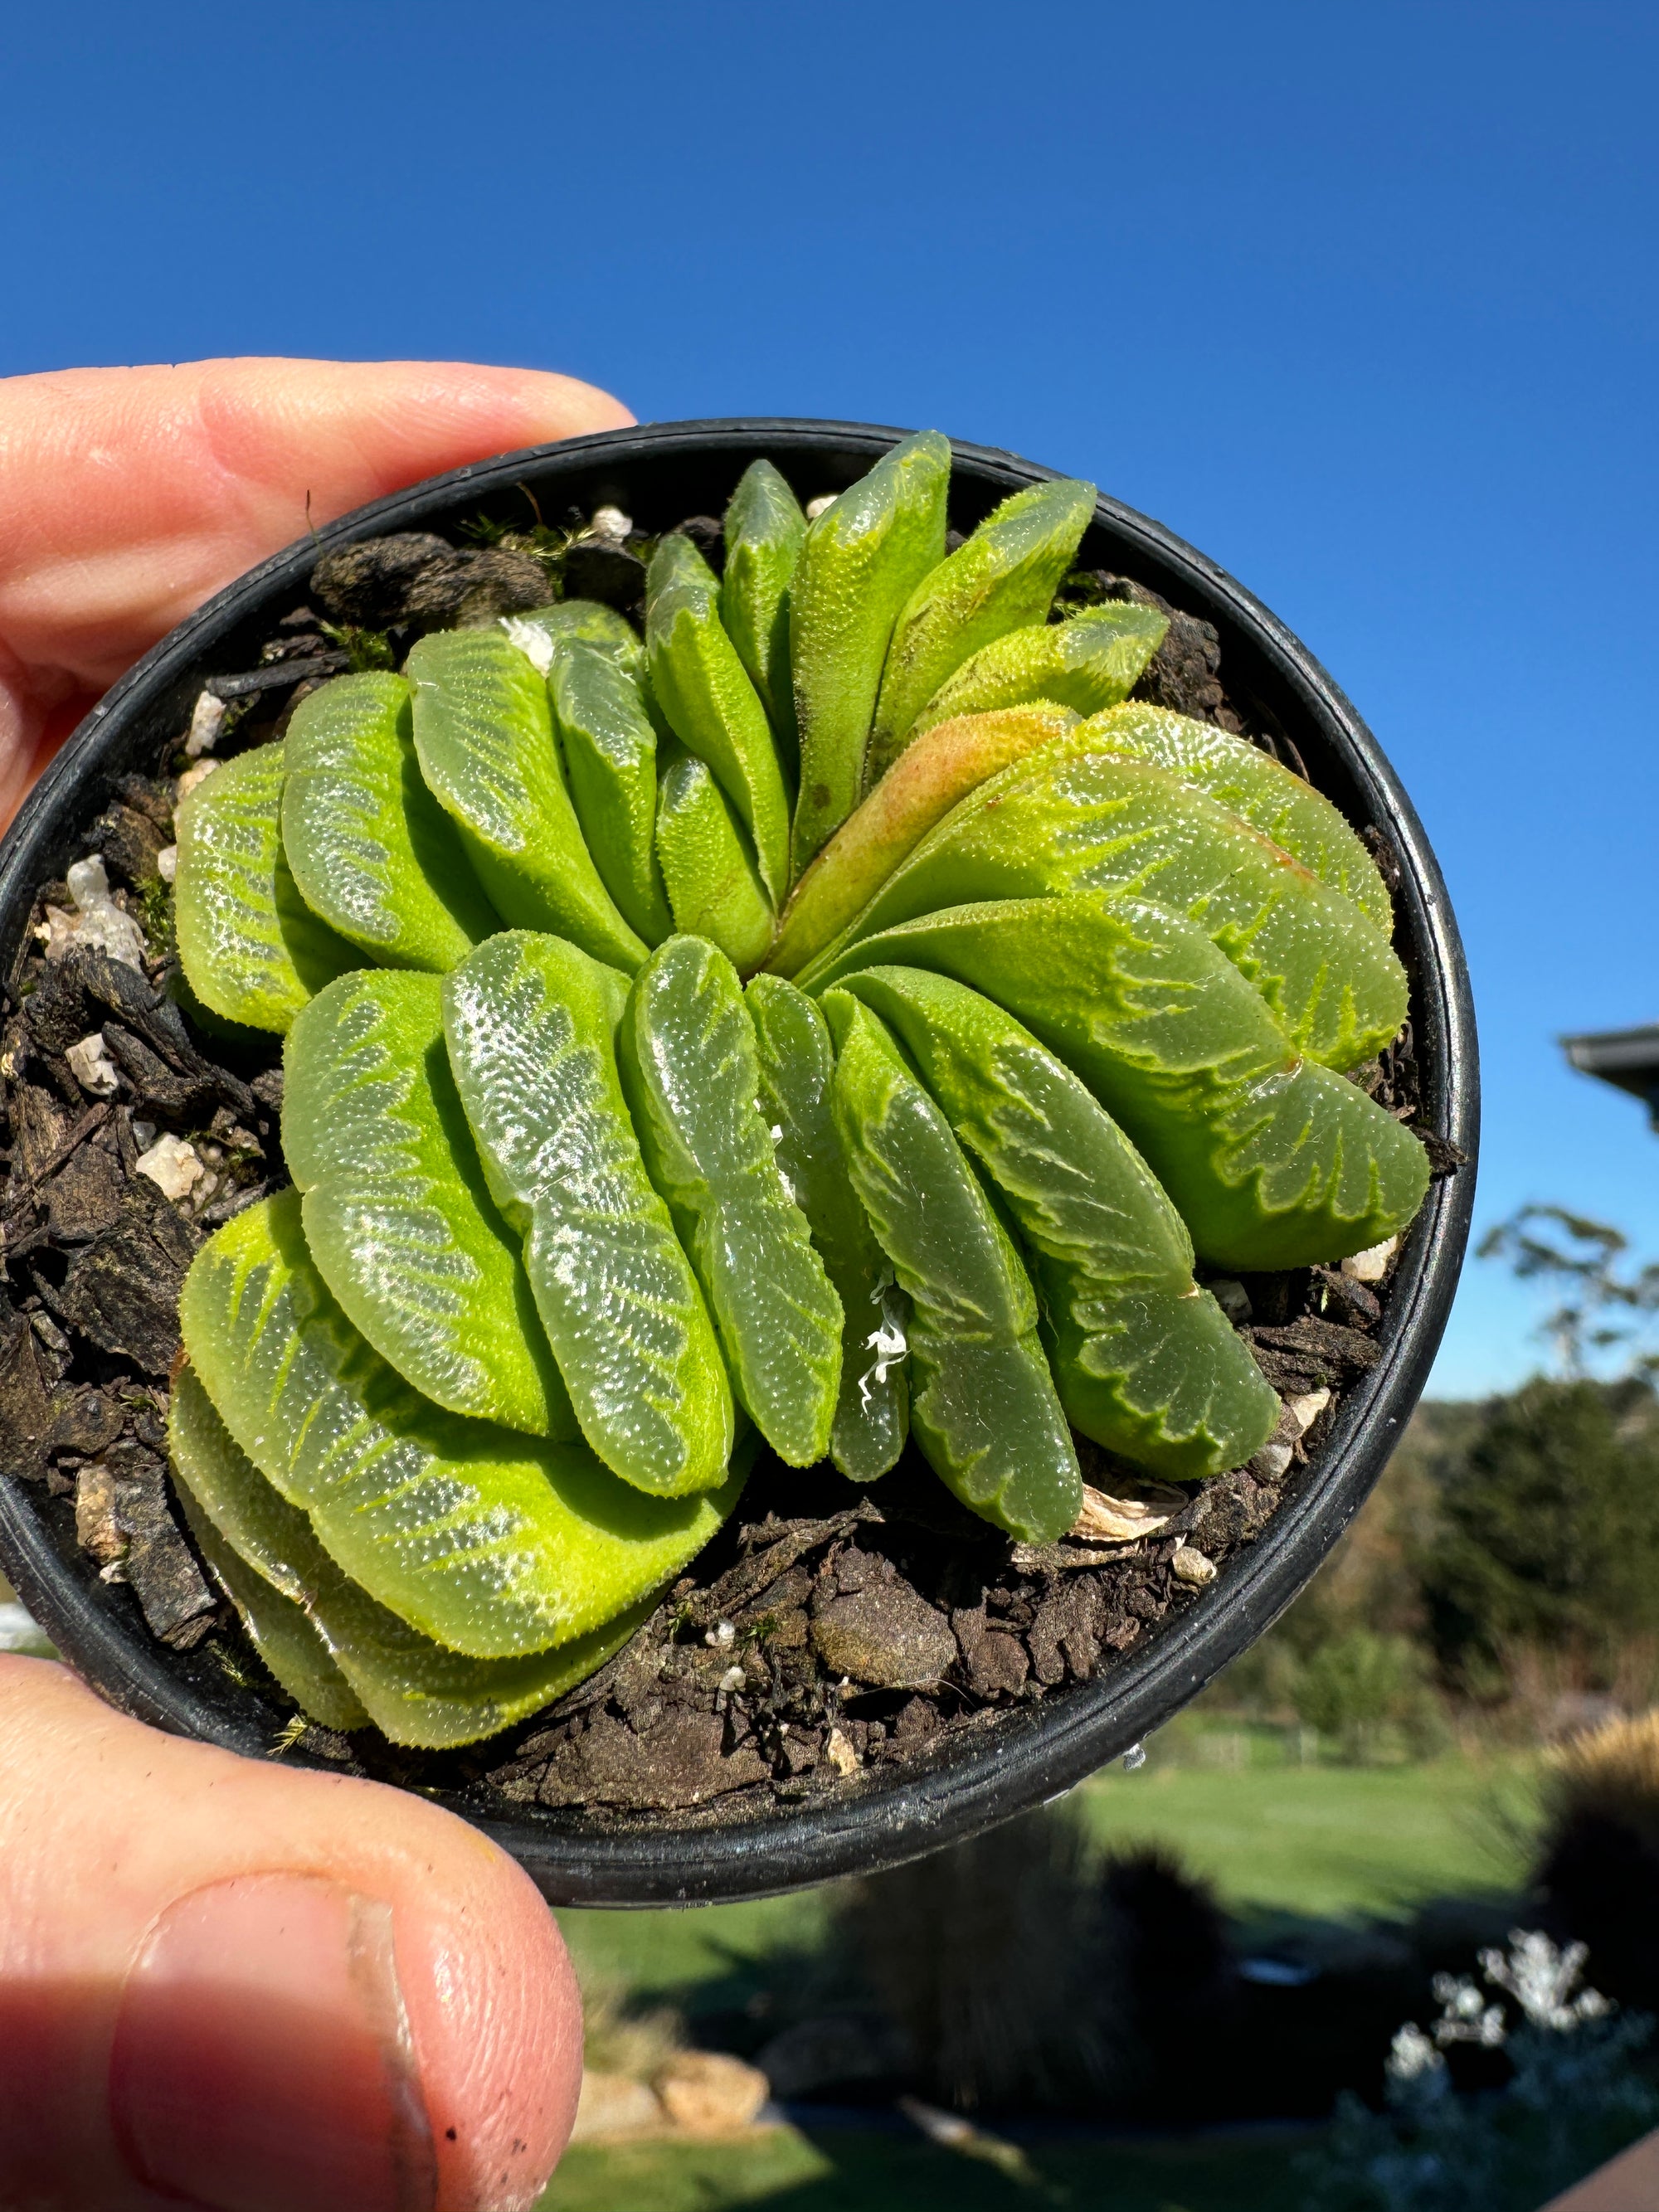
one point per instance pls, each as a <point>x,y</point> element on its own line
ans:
<point>128,497</point>
<point>260,1989</point>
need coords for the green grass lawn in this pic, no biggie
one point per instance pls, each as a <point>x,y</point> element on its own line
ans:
<point>850,2170</point>
<point>1332,1841</point>
<point>1282,1842</point>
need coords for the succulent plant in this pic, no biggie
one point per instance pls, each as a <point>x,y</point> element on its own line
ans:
<point>838,1015</point>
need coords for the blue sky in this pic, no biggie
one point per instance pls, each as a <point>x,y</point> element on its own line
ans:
<point>1362,302</point>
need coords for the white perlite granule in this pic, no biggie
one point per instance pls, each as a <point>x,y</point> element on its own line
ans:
<point>92,1066</point>
<point>174,1166</point>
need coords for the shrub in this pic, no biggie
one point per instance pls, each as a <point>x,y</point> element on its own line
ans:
<point>1598,1868</point>
<point>992,1959</point>
<point>1548,1531</point>
<point>1573,2098</point>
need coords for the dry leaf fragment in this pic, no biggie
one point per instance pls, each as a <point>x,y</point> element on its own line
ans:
<point>1106,1520</point>
<point>840,1753</point>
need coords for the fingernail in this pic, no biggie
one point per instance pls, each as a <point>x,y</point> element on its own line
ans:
<point>262,2060</point>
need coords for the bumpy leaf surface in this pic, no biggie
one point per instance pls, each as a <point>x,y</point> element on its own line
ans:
<point>982,1401</point>
<point>708,865</point>
<point>397,1212</point>
<point>712,706</point>
<point>1257,787</point>
<point>611,758</point>
<point>372,851</point>
<point>1271,1160</point>
<point>859,561</point>
<point>1071,817</point>
<point>1003,578</point>
<point>483,734</point>
<point>544,631</point>
<point>492,1544</point>
<point>530,1022</point>
<point>919,790</point>
<point>764,528</point>
<point>691,1074</point>
<point>1088,663</point>
<point>1145,1363</point>
<point>281,1633</point>
<point>797,1063</point>
<point>322,1636</point>
<point>252,949</point>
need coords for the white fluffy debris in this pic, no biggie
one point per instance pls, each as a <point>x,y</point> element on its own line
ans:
<point>192,777</point>
<point>173,1165</point>
<point>1105,1520</point>
<point>205,723</point>
<point>733,1680</point>
<point>611,522</point>
<point>1192,1566</point>
<point>97,921</point>
<point>889,1345</point>
<point>1233,1299</point>
<point>721,1637</point>
<point>1372,1264</point>
<point>816,507</point>
<point>166,863</point>
<point>92,1066</point>
<point>532,641</point>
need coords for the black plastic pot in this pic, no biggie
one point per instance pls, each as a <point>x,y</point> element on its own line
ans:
<point>976,1776</point>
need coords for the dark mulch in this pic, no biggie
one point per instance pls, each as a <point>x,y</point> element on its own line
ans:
<point>827,1630</point>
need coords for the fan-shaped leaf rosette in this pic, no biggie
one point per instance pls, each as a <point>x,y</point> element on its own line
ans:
<point>1049,997</point>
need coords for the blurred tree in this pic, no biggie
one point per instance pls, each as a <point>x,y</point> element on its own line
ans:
<point>1548,1532</point>
<point>1603,1309</point>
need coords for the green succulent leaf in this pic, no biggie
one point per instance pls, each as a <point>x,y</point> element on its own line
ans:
<point>544,631</point>
<point>982,1401</point>
<point>1004,578</point>
<point>1071,817</point>
<point>918,791</point>
<point>1259,789</point>
<point>253,950</point>
<point>797,1067</point>
<point>1088,663</point>
<point>708,865</point>
<point>765,528</point>
<point>859,561</point>
<point>483,734</point>
<point>493,1544</point>
<point>1271,1160</point>
<point>373,852</point>
<point>530,1022</point>
<point>325,1640</point>
<point>611,758</point>
<point>397,1212</point>
<point>691,1074</point>
<point>711,705</point>
<point>1144,1362</point>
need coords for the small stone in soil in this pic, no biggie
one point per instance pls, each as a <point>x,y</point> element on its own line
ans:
<point>595,569</point>
<point>885,1635</point>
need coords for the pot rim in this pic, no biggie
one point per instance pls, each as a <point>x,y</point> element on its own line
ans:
<point>977,1776</point>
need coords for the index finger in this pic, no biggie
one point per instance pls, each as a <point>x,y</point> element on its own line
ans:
<point>129,495</point>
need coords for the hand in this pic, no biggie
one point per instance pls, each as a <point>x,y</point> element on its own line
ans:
<point>129,495</point>
<point>238,1985</point>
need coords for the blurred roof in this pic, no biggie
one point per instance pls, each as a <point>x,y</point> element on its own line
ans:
<point>1627,1058</point>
